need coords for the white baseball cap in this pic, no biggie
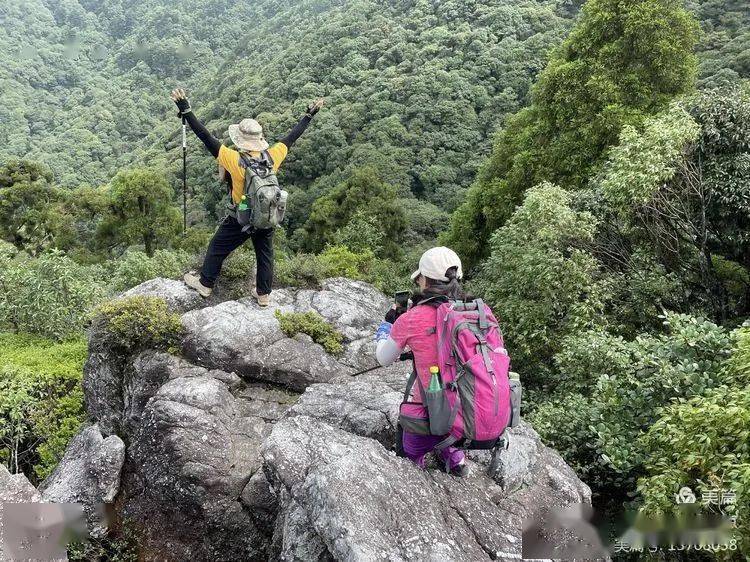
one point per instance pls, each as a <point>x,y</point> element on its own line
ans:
<point>436,261</point>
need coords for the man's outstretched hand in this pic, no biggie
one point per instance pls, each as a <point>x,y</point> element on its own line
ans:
<point>179,96</point>
<point>315,106</point>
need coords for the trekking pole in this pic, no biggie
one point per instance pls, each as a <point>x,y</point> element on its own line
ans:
<point>403,357</point>
<point>184,176</point>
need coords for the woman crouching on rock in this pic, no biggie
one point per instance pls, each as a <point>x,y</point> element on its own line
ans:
<point>438,279</point>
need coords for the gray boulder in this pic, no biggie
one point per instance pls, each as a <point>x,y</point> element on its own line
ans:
<point>241,337</point>
<point>88,474</point>
<point>361,502</point>
<point>16,488</point>
<point>193,466</point>
<point>366,405</point>
<point>179,297</point>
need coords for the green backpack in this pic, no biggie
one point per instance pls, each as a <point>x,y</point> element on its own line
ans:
<point>263,202</point>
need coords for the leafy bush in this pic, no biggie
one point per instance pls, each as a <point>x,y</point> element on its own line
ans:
<point>540,283</point>
<point>309,270</point>
<point>239,266</point>
<point>738,365</point>
<point>41,401</point>
<point>301,270</point>
<point>195,241</point>
<point>315,326</point>
<point>702,443</point>
<point>340,261</point>
<point>139,322</point>
<point>362,233</point>
<point>50,295</point>
<point>135,267</point>
<point>564,422</point>
<point>111,547</point>
<point>625,383</point>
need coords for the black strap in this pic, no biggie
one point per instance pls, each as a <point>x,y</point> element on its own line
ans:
<point>410,383</point>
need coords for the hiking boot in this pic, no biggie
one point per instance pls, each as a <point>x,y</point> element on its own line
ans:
<point>194,282</point>
<point>262,299</point>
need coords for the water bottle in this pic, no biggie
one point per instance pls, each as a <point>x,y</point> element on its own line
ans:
<point>434,380</point>
<point>243,211</point>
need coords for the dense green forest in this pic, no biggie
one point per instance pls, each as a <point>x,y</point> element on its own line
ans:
<point>589,162</point>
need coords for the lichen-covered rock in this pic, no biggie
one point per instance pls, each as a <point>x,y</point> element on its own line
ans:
<point>16,488</point>
<point>241,337</point>
<point>366,405</point>
<point>88,474</point>
<point>364,503</point>
<point>190,459</point>
<point>226,461</point>
<point>179,297</point>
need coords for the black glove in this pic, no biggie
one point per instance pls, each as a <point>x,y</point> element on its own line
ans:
<point>184,107</point>
<point>314,107</point>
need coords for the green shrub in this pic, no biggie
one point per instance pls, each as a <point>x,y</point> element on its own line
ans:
<point>340,261</point>
<point>738,366</point>
<point>362,234</point>
<point>195,241</point>
<point>50,295</point>
<point>703,443</point>
<point>41,401</point>
<point>564,423</point>
<point>300,270</point>
<point>135,267</point>
<point>315,326</point>
<point>624,385</point>
<point>139,322</point>
<point>540,281</point>
<point>112,548</point>
<point>239,266</point>
<point>309,270</point>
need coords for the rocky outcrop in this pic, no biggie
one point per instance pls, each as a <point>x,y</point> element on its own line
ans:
<point>178,296</point>
<point>191,457</point>
<point>89,475</point>
<point>331,456</point>
<point>241,337</point>
<point>16,488</point>
<point>255,446</point>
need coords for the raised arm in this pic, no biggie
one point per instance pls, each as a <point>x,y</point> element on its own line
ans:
<point>183,105</point>
<point>300,127</point>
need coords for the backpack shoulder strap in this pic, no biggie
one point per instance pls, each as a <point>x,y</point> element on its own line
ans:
<point>410,382</point>
<point>483,325</point>
<point>267,159</point>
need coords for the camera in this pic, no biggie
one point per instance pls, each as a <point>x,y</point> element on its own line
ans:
<point>402,300</point>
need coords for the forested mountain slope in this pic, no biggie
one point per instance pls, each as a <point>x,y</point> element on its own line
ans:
<point>415,88</point>
<point>84,82</point>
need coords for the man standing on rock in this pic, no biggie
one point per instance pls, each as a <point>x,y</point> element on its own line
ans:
<point>252,147</point>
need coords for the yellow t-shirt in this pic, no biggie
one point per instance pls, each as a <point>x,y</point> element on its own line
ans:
<point>229,159</point>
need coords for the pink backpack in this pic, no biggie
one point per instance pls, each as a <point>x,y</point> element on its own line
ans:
<point>473,404</point>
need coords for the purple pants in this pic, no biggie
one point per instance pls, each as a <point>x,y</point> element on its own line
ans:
<point>417,446</point>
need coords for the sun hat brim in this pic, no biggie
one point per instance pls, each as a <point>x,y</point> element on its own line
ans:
<point>244,142</point>
<point>415,275</point>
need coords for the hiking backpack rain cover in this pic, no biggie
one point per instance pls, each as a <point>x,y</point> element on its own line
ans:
<point>265,199</point>
<point>473,405</point>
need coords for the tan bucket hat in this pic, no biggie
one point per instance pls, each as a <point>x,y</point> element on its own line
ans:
<point>248,135</point>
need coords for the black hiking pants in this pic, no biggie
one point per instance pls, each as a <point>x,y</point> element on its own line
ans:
<point>228,238</point>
